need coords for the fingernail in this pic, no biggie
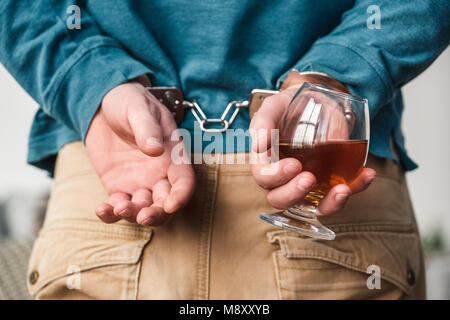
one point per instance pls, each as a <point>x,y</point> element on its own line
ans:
<point>369,179</point>
<point>125,213</point>
<point>341,197</point>
<point>290,169</point>
<point>148,221</point>
<point>304,183</point>
<point>154,142</point>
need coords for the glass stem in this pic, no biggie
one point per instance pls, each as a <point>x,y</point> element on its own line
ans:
<point>307,209</point>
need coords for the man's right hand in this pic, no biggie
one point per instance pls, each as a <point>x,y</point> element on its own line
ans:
<point>129,145</point>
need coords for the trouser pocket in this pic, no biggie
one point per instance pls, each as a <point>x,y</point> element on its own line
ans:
<point>83,259</point>
<point>363,264</point>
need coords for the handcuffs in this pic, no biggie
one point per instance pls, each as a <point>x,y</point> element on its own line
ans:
<point>172,98</point>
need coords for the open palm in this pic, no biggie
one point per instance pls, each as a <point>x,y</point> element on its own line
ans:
<point>129,144</point>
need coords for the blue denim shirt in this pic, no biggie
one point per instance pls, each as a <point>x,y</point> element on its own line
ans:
<point>215,51</point>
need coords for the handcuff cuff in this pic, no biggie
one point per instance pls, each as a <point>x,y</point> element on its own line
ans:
<point>172,99</point>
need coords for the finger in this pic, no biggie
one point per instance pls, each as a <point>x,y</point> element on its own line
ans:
<point>338,196</point>
<point>266,119</point>
<point>155,213</point>
<point>182,179</point>
<point>363,181</point>
<point>123,207</point>
<point>117,197</point>
<point>152,216</point>
<point>334,125</point>
<point>337,123</point>
<point>167,122</point>
<point>292,192</point>
<point>335,200</point>
<point>144,121</point>
<point>273,175</point>
<point>142,198</point>
<point>160,191</point>
<point>105,213</point>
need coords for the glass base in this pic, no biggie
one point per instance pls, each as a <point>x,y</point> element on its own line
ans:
<point>310,226</point>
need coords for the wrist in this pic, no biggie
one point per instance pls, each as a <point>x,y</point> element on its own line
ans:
<point>296,79</point>
<point>143,79</point>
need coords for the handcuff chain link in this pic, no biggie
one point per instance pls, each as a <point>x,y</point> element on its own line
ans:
<point>203,120</point>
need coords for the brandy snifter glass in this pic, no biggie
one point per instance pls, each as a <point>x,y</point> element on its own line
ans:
<point>328,132</point>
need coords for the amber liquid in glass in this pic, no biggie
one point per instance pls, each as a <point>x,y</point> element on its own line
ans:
<point>332,162</point>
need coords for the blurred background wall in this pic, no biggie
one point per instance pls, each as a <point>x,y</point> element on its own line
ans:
<point>427,112</point>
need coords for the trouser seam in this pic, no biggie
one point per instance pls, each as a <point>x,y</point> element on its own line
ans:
<point>204,244</point>
<point>136,280</point>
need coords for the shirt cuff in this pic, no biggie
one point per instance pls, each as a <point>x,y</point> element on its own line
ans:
<point>92,71</point>
<point>359,73</point>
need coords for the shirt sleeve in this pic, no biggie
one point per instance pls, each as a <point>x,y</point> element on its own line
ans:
<point>67,71</point>
<point>375,57</point>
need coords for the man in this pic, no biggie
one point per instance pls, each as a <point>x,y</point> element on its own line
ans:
<point>90,82</point>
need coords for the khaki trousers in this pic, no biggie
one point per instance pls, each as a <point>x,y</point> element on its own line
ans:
<point>218,248</point>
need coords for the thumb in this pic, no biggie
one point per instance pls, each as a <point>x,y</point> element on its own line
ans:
<point>144,122</point>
